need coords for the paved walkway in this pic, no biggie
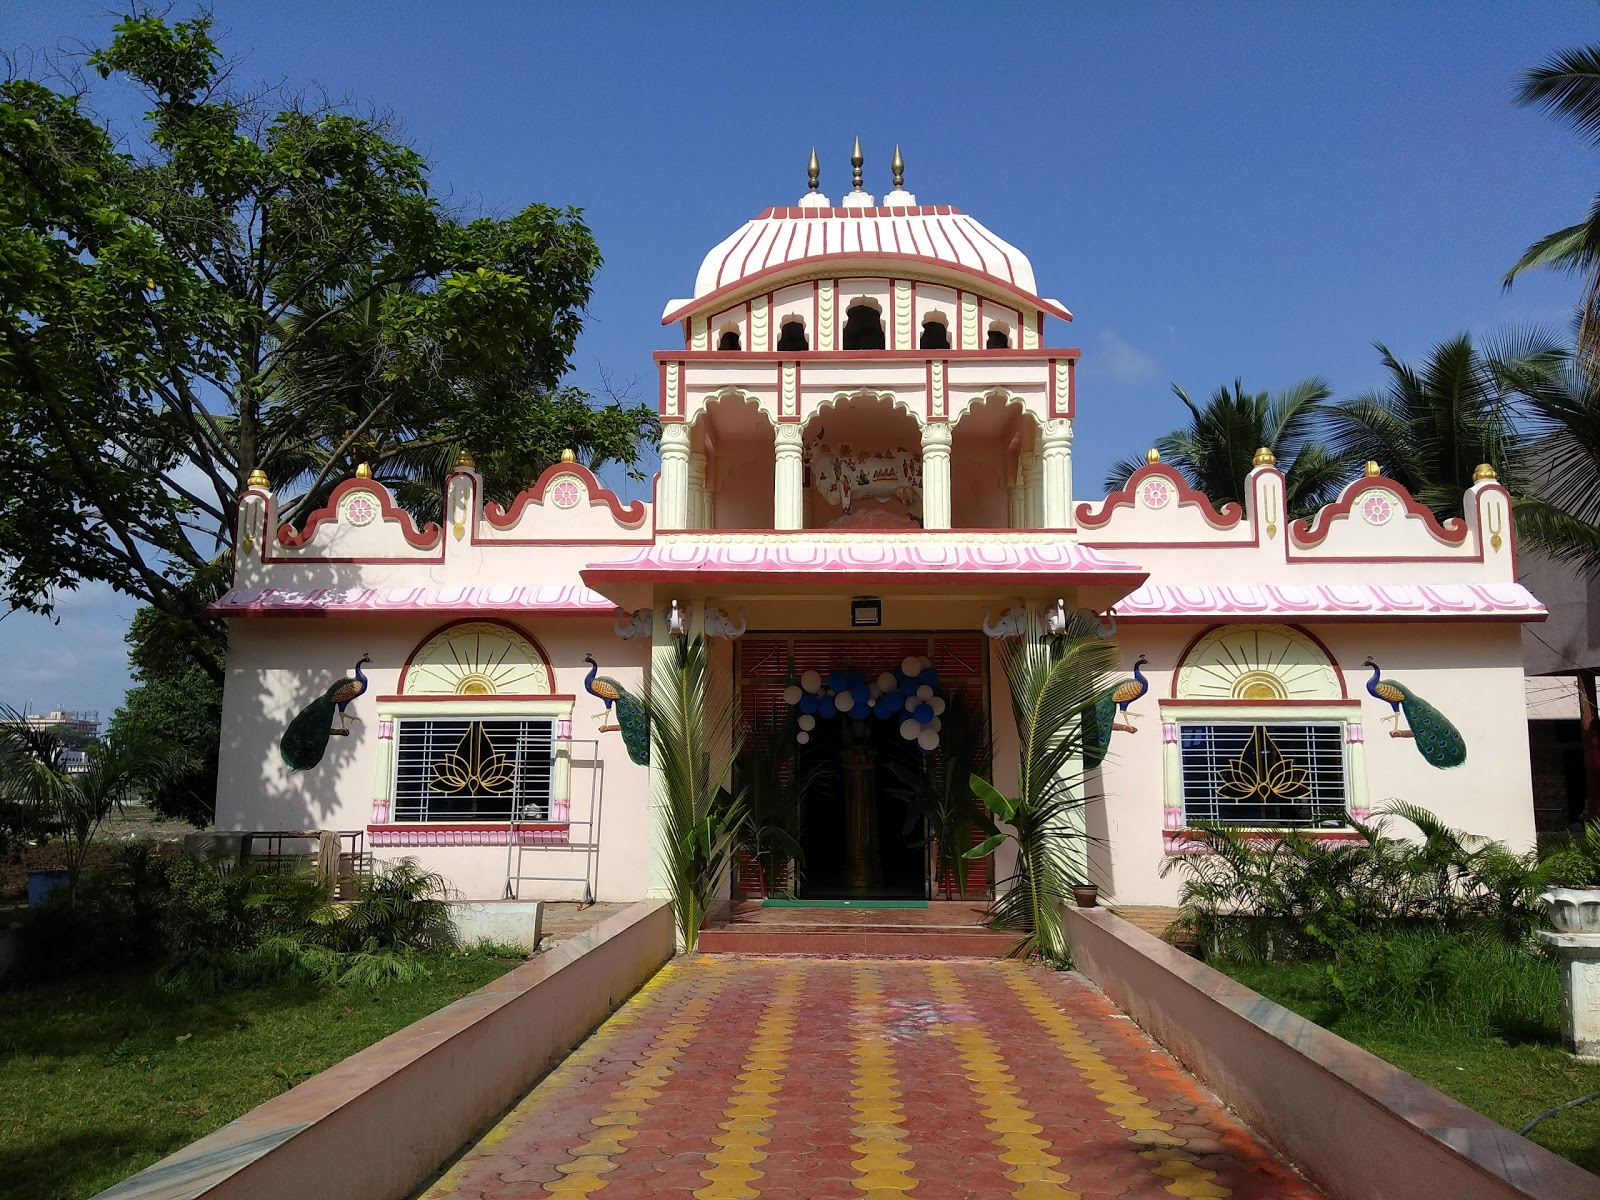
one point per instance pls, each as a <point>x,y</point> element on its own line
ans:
<point>811,1079</point>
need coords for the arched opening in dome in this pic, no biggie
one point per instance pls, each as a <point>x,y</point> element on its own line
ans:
<point>792,335</point>
<point>999,337</point>
<point>863,326</point>
<point>734,440</point>
<point>935,333</point>
<point>728,339</point>
<point>863,465</point>
<point>986,450</point>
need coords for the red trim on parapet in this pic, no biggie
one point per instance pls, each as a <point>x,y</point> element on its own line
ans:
<point>631,516</point>
<point>427,538</point>
<point>803,267</point>
<point>1306,533</point>
<point>1231,515</point>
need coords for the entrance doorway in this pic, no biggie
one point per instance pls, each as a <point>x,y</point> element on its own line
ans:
<point>847,790</point>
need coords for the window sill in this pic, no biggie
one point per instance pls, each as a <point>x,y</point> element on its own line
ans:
<point>1191,841</point>
<point>468,833</point>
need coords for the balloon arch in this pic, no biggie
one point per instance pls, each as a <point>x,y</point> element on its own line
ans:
<point>909,695</point>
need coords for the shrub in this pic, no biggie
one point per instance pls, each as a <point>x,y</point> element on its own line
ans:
<point>1293,896</point>
<point>1466,982</point>
<point>1576,863</point>
<point>114,918</point>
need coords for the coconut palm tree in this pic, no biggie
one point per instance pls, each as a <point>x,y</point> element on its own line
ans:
<point>1053,682</point>
<point>34,776</point>
<point>1431,425</point>
<point>1216,450</point>
<point>1567,85</point>
<point>1559,512</point>
<point>696,740</point>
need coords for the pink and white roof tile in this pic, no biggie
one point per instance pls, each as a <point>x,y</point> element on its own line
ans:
<point>794,236</point>
<point>548,599</point>
<point>1350,601</point>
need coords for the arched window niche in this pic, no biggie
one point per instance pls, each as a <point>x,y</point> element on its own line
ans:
<point>863,325</point>
<point>792,335</point>
<point>472,738</point>
<point>988,443</point>
<point>728,339</point>
<point>1260,732</point>
<point>935,332</point>
<point>999,336</point>
<point>863,454</point>
<point>732,464</point>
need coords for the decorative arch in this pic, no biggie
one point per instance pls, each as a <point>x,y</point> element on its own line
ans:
<point>840,398</point>
<point>732,395</point>
<point>477,658</point>
<point>1257,664</point>
<point>1010,398</point>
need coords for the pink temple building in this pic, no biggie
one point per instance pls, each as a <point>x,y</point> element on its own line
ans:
<point>866,473</point>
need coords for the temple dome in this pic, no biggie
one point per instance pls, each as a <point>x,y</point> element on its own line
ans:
<point>787,239</point>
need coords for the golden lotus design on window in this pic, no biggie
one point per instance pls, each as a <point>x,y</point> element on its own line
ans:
<point>473,766</point>
<point>1261,774</point>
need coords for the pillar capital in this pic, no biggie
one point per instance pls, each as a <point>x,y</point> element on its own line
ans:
<point>788,436</point>
<point>936,437</point>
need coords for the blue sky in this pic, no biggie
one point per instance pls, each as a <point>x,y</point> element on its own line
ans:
<point>1214,190</point>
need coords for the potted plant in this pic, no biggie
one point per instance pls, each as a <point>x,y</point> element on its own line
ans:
<point>1085,895</point>
<point>1571,875</point>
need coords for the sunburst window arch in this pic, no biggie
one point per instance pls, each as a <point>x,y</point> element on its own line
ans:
<point>477,658</point>
<point>1257,663</point>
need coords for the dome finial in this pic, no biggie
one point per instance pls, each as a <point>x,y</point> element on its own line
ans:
<point>898,166</point>
<point>814,171</point>
<point>856,162</point>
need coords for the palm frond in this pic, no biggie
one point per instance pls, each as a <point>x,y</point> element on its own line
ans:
<point>1567,85</point>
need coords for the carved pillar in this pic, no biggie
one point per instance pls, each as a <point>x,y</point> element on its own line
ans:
<point>788,499</point>
<point>697,491</point>
<point>1057,475</point>
<point>1016,501</point>
<point>936,475</point>
<point>1032,487</point>
<point>673,500</point>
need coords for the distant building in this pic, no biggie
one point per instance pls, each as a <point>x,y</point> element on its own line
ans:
<point>76,726</point>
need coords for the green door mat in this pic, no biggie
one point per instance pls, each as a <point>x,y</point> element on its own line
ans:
<point>844,904</point>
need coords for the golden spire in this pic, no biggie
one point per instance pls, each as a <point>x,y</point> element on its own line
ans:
<point>363,471</point>
<point>855,166</point>
<point>1264,458</point>
<point>1373,470</point>
<point>1152,455</point>
<point>258,479</point>
<point>1484,471</point>
<point>568,456</point>
<point>814,171</point>
<point>898,166</point>
<point>464,462</point>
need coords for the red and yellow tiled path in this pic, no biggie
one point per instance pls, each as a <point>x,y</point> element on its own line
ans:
<point>729,1078</point>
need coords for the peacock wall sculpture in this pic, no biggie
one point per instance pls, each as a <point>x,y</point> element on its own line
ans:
<point>1437,739</point>
<point>633,719</point>
<point>305,741</point>
<point>1103,717</point>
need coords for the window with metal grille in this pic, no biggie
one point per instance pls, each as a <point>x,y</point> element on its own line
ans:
<point>1269,775</point>
<point>473,769</point>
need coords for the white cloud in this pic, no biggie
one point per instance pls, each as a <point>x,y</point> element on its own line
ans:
<point>75,660</point>
<point>1119,361</point>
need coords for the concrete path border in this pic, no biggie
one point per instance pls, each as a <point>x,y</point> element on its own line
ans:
<point>378,1124</point>
<point>1359,1128</point>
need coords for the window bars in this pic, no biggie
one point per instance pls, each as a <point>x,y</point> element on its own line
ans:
<point>1272,775</point>
<point>473,769</point>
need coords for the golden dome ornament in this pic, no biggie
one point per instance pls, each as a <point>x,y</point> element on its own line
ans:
<point>1484,471</point>
<point>258,479</point>
<point>1152,456</point>
<point>465,462</point>
<point>1373,470</point>
<point>1264,458</point>
<point>567,456</point>
<point>363,471</point>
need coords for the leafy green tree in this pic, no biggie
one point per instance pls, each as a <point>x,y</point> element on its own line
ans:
<point>259,283</point>
<point>1215,452</point>
<point>1558,512</point>
<point>1431,425</point>
<point>1567,85</point>
<point>174,704</point>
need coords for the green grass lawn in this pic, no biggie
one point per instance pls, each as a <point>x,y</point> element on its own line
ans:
<point>101,1078</point>
<point>1510,1078</point>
